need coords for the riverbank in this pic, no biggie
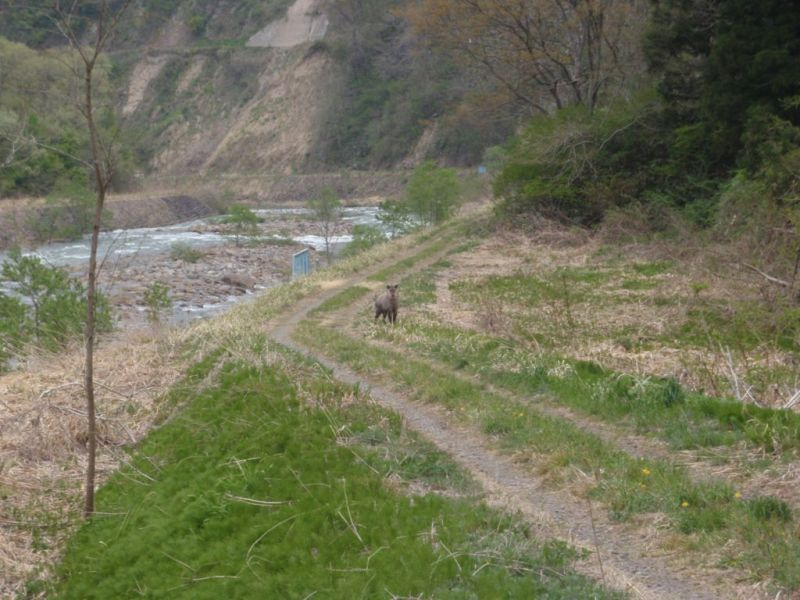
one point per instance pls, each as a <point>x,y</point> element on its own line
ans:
<point>42,423</point>
<point>22,218</point>
<point>168,200</point>
<point>203,264</point>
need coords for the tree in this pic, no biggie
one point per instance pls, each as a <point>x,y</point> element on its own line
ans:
<point>244,221</point>
<point>55,302</point>
<point>432,193</point>
<point>364,238</point>
<point>156,299</point>
<point>725,68</point>
<point>397,217</point>
<point>547,53</point>
<point>105,21</point>
<point>327,212</point>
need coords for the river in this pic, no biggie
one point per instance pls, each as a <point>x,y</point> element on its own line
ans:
<point>139,256</point>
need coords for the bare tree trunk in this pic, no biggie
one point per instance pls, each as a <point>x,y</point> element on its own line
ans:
<point>102,167</point>
<point>102,181</point>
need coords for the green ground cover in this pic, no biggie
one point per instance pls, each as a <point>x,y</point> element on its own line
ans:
<point>651,404</point>
<point>709,513</point>
<point>270,484</point>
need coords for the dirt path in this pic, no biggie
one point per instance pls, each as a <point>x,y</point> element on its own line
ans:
<point>620,557</point>
<point>700,467</point>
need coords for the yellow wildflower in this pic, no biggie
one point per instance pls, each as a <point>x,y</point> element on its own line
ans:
<point>684,504</point>
<point>737,495</point>
<point>645,471</point>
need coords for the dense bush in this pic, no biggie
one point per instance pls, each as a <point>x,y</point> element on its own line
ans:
<point>48,307</point>
<point>577,164</point>
<point>43,140</point>
<point>432,193</point>
<point>720,140</point>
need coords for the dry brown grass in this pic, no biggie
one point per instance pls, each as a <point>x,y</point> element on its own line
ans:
<point>43,431</point>
<point>591,330</point>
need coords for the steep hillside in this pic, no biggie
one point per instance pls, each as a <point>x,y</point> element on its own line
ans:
<point>257,87</point>
<point>224,106</point>
<point>322,87</point>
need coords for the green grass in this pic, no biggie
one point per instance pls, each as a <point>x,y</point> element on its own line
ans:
<point>342,299</point>
<point>709,511</point>
<point>526,290</point>
<point>649,404</point>
<point>265,488</point>
<point>743,326</point>
<point>444,237</point>
<point>639,284</point>
<point>183,251</point>
<point>419,288</point>
<point>697,420</point>
<point>651,269</point>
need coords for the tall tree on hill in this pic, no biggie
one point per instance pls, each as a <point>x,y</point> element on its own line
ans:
<point>726,67</point>
<point>105,20</point>
<point>547,53</point>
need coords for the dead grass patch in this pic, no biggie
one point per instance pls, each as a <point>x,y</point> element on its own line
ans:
<point>43,432</point>
<point>628,320</point>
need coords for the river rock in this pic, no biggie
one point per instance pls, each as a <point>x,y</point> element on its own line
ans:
<point>124,299</point>
<point>239,280</point>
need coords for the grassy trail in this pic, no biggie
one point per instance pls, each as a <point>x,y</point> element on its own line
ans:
<point>644,524</point>
<point>352,309</point>
<point>626,561</point>
<point>270,478</point>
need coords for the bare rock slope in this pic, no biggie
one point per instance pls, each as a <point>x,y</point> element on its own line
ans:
<point>230,108</point>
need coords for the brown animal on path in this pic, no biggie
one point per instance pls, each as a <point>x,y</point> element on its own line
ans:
<point>386,304</point>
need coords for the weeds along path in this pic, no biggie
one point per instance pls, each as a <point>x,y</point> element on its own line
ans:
<point>621,558</point>
<point>637,446</point>
<point>699,468</point>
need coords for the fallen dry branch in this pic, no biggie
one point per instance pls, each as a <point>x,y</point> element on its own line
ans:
<point>768,277</point>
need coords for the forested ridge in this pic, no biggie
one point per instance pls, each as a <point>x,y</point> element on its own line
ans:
<point>584,105</point>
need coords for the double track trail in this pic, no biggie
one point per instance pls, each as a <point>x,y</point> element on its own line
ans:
<point>617,555</point>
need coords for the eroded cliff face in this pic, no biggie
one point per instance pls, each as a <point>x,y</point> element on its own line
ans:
<point>230,108</point>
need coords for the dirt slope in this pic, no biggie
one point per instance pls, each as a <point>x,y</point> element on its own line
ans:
<point>303,23</point>
<point>222,107</point>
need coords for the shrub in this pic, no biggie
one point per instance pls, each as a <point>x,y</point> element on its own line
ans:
<point>156,299</point>
<point>432,193</point>
<point>364,237</point>
<point>397,217</point>
<point>576,164</point>
<point>183,251</point>
<point>55,306</point>
<point>15,327</point>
